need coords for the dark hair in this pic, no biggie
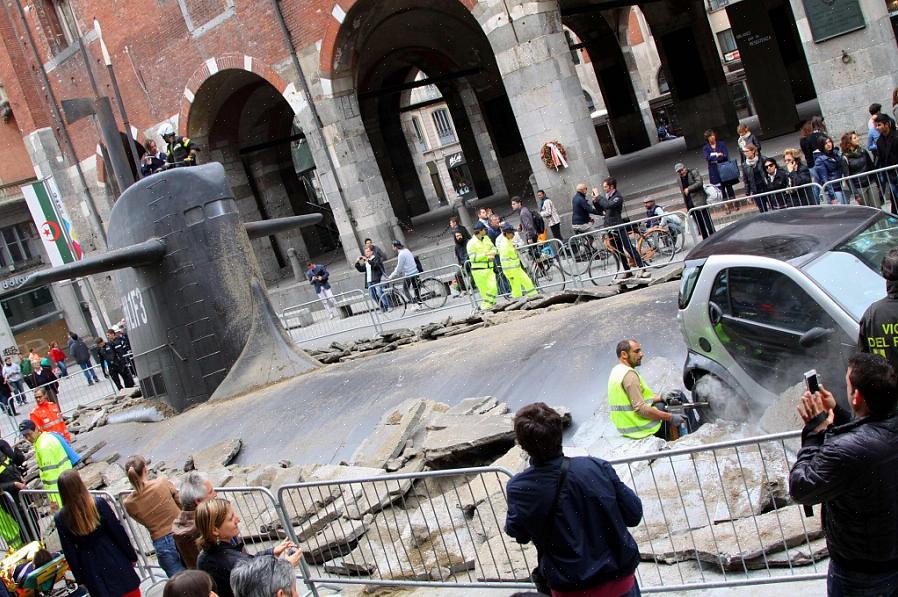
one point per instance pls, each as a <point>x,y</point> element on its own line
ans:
<point>110,331</point>
<point>883,119</point>
<point>845,143</point>
<point>41,558</point>
<point>770,161</point>
<point>875,109</point>
<point>750,147</point>
<point>874,378</point>
<point>806,129</point>
<point>135,467</point>
<point>709,133</point>
<point>79,510</point>
<point>622,346</point>
<point>538,429</point>
<point>611,181</point>
<point>517,199</point>
<point>540,191</point>
<point>453,219</point>
<point>818,124</point>
<point>189,583</point>
<point>821,142</point>
<point>889,265</point>
<point>366,240</point>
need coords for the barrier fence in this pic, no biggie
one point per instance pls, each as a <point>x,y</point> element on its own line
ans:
<point>714,515</point>
<point>877,188</point>
<point>70,392</point>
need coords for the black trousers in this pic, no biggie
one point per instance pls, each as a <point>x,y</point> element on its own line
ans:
<point>556,231</point>
<point>121,376</point>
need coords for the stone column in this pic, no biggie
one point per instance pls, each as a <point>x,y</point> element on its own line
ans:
<point>847,86</point>
<point>641,96</point>
<point>543,89</point>
<point>482,137</point>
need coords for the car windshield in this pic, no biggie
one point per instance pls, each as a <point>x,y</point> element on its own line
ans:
<point>850,272</point>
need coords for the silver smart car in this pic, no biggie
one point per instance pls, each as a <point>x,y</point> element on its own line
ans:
<point>777,294</point>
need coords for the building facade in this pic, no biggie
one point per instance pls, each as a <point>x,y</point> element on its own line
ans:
<point>311,105</point>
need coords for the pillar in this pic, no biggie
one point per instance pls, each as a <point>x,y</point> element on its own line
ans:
<point>482,138</point>
<point>692,66</point>
<point>642,100</point>
<point>847,86</point>
<point>543,90</point>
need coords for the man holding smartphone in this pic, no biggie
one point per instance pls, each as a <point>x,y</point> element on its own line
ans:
<point>850,465</point>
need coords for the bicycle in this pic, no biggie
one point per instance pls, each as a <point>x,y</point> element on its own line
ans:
<point>394,302</point>
<point>545,270</point>
<point>654,244</point>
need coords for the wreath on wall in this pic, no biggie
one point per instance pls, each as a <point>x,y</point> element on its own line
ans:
<point>553,155</point>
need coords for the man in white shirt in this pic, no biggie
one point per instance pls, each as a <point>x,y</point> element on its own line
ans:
<point>407,269</point>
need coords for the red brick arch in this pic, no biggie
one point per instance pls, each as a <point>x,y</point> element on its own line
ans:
<point>330,41</point>
<point>224,62</point>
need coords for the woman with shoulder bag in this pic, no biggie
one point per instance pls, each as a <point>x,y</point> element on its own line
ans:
<point>857,160</point>
<point>722,173</point>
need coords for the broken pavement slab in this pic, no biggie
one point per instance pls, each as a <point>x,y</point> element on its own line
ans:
<point>216,455</point>
<point>389,437</point>
<point>461,440</point>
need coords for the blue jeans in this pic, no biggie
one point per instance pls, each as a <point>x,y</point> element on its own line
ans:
<point>18,389</point>
<point>167,555</point>
<point>376,291</point>
<point>63,371</point>
<point>89,372</point>
<point>846,583</point>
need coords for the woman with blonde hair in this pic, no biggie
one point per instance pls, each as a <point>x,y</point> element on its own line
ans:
<point>222,548</point>
<point>155,504</point>
<point>798,175</point>
<point>95,544</point>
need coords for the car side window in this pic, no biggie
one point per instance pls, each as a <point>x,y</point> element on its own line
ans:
<point>767,297</point>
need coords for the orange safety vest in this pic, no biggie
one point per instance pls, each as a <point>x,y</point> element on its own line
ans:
<point>48,417</point>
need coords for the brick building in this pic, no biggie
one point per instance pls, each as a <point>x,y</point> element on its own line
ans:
<point>302,100</point>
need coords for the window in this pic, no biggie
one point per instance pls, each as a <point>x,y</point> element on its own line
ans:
<point>14,249</point>
<point>66,18</point>
<point>717,4</point>
<point>589,103</point>
<point>28,306</point>
<point>727,44</point>
<point>418,132</point>
<point>663,87</point>
<point>763,315</point>
<point>444,126</point>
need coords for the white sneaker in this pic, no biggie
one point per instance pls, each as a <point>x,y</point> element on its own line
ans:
<point>644,274</point>
<point>419,307</point>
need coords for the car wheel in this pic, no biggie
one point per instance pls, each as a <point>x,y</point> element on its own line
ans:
<point>724,403</point>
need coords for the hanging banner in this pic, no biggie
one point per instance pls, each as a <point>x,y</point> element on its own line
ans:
<point>53,222</point>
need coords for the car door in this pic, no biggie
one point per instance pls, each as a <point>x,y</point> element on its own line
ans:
<point>761,316</point>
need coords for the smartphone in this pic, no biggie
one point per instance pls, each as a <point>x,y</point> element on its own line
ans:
<point>810,378</point>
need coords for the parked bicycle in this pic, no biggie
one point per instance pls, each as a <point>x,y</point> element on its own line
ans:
<point>545,269</point>
<point>655,245</point>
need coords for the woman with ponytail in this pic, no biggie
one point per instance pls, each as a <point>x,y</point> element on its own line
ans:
<point>155,504</point>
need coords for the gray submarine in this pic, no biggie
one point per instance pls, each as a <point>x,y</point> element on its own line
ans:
<point>199,319</point>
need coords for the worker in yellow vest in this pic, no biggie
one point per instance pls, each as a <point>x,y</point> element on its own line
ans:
<point>51,455</point>
<point>482,254</point>
<point>631,401</point>
<point>511,264</point>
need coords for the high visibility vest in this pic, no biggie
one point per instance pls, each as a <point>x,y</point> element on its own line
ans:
<point>628,422</point>
<point>479,251</point>
<point>52,460</point>
<point>47,417</point>
<point>508,255</point>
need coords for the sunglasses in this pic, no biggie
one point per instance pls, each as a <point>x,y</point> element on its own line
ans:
<point>770,165</point>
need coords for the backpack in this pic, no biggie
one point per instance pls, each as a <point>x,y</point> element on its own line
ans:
<point>418,265</point>
<point>538,223</point>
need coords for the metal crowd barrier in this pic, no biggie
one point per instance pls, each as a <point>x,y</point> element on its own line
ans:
<point>435,528</point>
<point>309,325</point>
<point>74,391</point>
<point>876,188</point>
<point>597,256</point>
<point>720,515</point>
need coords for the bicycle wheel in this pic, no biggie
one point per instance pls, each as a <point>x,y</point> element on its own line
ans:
<point>574,261</point>
<point>547,273</point>
<point>602,267</point>
<point>657,246</point>
<point>433,293</point>
<point>393,304</point>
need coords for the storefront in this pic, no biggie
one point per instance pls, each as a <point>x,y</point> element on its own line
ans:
<point>460,175</point>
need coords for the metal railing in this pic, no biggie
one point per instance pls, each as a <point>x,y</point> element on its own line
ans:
<point>876,188</point>
<point>435,528</point>
<point>598,256</point>
<point>324,318</point>
<point>73,392</point>
<point>720,515</point>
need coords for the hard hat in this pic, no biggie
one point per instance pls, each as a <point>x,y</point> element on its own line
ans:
<point>166,130</point>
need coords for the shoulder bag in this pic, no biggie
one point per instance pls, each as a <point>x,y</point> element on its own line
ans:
<point>728,170</point>
<point>536,575</point>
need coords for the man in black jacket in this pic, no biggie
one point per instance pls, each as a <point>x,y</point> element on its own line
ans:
<point>576,511</point>
<point>115,364</point>
<point>372,266</point>
<point>878,332</point>
<point>851,467</point>
<point>887,155</point>
<point>612,207</point>
<point>11,482</point>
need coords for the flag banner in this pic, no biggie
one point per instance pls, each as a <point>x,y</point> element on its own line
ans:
<point>53,222</point>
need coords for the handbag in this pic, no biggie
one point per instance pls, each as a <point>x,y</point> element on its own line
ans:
<point>728,171</point>
<point>536,575</point>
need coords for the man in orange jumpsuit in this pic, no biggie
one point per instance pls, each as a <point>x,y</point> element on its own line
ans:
<point>47,416</point>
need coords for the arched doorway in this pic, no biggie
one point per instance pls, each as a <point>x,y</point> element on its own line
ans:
<point>240,119</point>
<point>395,48</point>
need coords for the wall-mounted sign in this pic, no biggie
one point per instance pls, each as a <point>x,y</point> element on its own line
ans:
<point>832,18</point>
<point>15,282</point>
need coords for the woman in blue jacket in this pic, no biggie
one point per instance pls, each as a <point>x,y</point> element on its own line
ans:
<point>716,153</point>
<point>828,167</point>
